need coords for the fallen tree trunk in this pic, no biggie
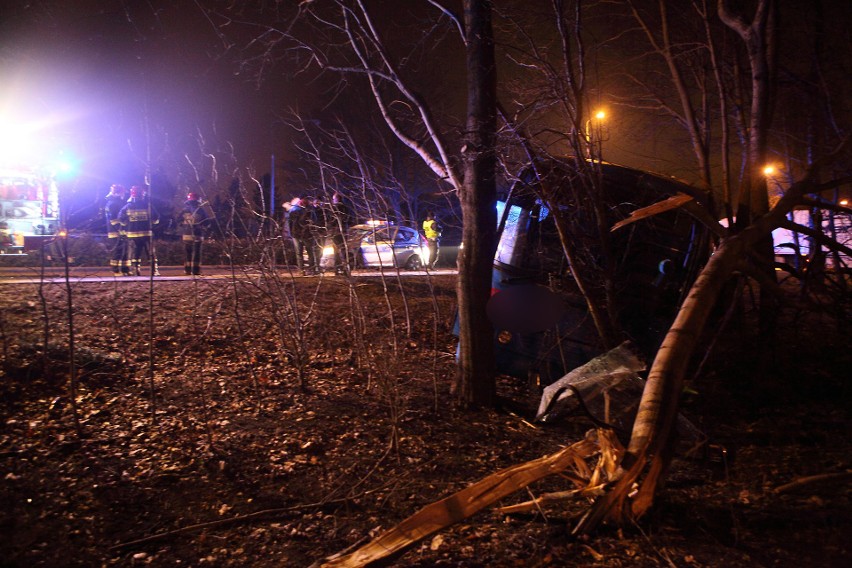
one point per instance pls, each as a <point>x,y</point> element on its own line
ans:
<point>463,504</point>
<point>617,474</point>
<point>649,451</point>
<point>833,479</point>
<point>658,408</point>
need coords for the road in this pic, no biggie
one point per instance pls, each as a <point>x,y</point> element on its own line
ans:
<point>56,274</point>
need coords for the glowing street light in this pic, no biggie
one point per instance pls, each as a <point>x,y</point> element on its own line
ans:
<point>776,183</point>
<point>599,117</point>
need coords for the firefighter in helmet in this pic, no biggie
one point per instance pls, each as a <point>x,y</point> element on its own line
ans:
<point>193,222</point>
<point>138,218</point>
<point>116,236</point>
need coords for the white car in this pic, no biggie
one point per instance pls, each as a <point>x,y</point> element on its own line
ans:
<point>372,246</point>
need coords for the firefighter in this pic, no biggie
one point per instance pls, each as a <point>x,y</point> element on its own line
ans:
<point>116,236</point>
<point>301,220</point>
<point>138,218</point>
<point>341,218</point>
<point>193,222</point>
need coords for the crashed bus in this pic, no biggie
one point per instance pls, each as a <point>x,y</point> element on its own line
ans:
<point>543,327</point>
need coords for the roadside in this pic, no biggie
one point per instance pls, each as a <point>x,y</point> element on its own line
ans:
<point>34,274</point>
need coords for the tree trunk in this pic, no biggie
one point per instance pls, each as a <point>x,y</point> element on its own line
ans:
<point>478,195</point>
<point>657,415</point>
<point>758,34</point>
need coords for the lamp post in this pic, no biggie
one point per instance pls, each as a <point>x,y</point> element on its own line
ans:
<point>775,187</point>
<point>599,117</point>
<point>776,182</point>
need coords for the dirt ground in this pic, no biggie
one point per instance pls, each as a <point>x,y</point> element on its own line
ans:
<point>237,436</point>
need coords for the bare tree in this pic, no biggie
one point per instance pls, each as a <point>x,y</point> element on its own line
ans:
<point>551,119</point>
<point>650,450</point>
<point>475,382</point>
<point>348,39</point>
<point>632,486</point>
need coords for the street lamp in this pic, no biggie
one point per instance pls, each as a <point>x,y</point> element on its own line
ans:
<point>598,116</point>
<point>775,182</point>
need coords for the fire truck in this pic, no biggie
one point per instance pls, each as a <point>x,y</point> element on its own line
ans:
<point>29,208</point>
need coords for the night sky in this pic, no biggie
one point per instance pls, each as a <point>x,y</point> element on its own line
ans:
<point>96,81</point>
<point>105,81</point>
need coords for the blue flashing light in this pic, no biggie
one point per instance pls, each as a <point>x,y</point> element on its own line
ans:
<point>65,166</point>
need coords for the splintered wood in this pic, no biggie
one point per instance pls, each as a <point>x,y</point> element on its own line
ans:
<point>467,502</point>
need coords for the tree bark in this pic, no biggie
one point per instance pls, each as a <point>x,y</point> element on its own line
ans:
<point>474,384</point>
<point>657,415</point>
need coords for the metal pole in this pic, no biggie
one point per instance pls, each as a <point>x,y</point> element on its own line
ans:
<point>272,190</point>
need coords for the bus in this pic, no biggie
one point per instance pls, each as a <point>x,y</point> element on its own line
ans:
<point>543,327</point>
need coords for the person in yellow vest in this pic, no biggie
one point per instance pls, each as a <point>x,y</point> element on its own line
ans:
<point>432,231</point>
